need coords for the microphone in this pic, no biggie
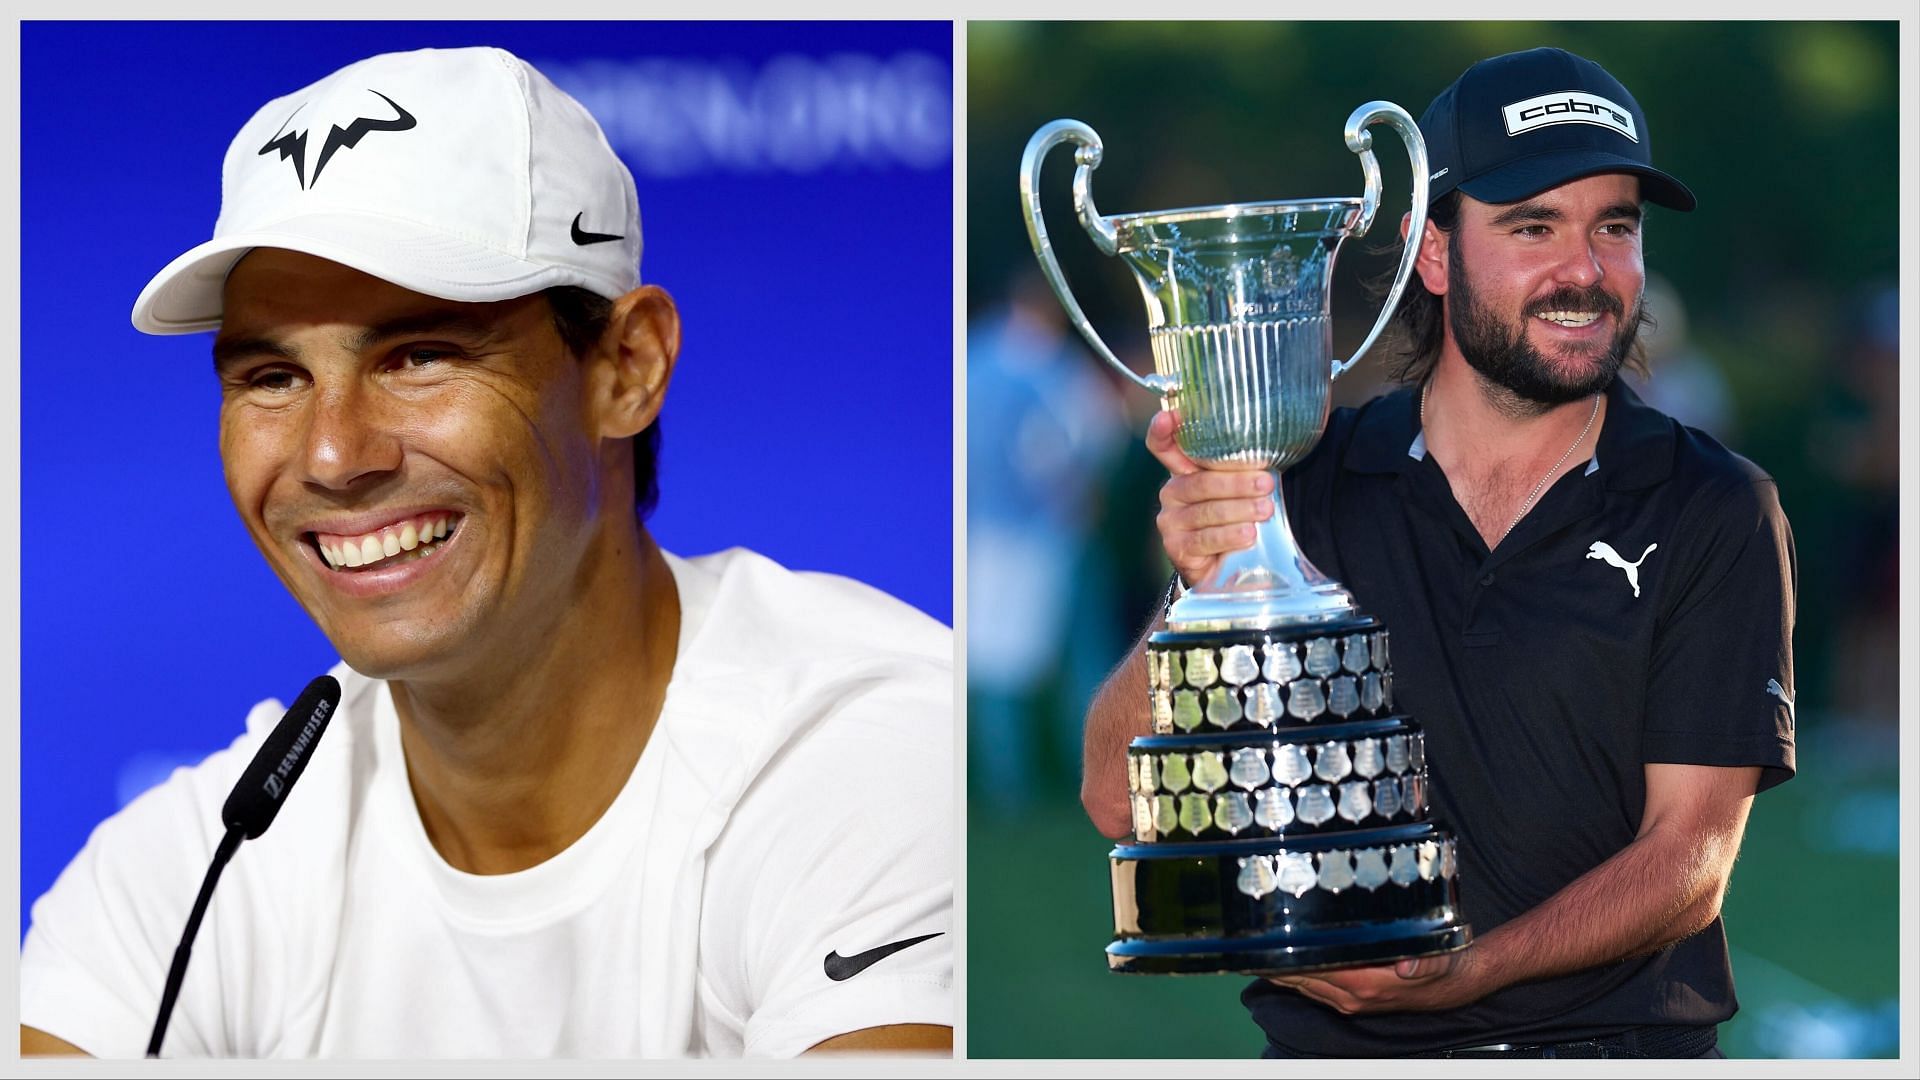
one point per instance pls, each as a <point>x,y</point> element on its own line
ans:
<point>256,798</point>
<point>249,809</point>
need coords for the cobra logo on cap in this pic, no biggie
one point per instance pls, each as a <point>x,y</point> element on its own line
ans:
<point>1568,107</point>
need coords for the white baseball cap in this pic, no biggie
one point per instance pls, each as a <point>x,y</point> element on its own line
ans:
<point>458,173</point>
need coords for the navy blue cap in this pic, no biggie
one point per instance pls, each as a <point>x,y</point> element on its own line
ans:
<point>1513,126</point>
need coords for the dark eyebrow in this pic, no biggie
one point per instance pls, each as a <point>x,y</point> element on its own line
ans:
<point>1533,212</point>
<point>230,350</point>
<point>476,332</point>
<point>1527,212</point>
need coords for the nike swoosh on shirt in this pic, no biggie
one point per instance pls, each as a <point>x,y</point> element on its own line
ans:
<point>583,237</point>
<point>841,968</point>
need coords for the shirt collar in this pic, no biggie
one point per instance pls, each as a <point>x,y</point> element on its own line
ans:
<point>1385,431</point>
<point>1636,445</point>
<point>1635,448</point>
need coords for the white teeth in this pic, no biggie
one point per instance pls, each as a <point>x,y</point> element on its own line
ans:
<point>414,538</point>
<point>1570,318</point>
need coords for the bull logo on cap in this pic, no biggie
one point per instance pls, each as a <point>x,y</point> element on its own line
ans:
<point>292,145</point>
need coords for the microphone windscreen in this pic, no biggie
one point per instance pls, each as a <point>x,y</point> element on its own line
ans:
<point>281,759</point>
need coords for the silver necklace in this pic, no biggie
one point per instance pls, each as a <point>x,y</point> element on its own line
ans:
<point>1537,488</point>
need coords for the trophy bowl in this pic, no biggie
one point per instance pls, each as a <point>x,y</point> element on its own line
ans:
<point>1238,319</point>
<point>1280,809</point>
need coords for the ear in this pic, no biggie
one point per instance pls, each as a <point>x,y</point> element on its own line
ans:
<point>634,362</point>
<point>1431,263</point>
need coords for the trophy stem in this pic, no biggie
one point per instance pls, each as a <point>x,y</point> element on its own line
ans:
<point>1270,584</point>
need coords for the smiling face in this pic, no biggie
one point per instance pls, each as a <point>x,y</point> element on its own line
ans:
<point>1543,296</point>
<point>423,475</point>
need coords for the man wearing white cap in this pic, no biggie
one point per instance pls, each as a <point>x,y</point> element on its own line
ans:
<point>582,797</point>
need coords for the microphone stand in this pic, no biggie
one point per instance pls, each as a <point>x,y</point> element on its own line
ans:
<point>178,972</point>
<point>249,809</point>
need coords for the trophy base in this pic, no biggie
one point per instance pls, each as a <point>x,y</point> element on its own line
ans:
<point>1349,899</point>
<point>1280,810</point>
<point>1281,785</point>
<point>1281,956</point>
<point>1253,680</point>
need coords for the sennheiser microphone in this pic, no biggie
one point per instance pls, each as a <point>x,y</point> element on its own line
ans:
<point>280,760</point>
<point>248,811</point>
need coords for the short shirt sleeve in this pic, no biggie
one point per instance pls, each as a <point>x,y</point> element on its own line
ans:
<point>102,938</point>
<point>1721,687</point>
<point>835,874</point>
<point>97,952</point>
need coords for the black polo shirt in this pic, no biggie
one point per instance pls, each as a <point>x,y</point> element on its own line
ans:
<point>1547,676</point>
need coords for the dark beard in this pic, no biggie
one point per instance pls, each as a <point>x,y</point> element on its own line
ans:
<point>1505,359</point>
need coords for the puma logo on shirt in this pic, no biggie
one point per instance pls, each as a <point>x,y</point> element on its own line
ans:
<point>1774,688</point>
<point>1603,550</point>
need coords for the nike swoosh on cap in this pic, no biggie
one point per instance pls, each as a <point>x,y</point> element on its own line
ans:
<point>840,968</point>
<point>583,237</point>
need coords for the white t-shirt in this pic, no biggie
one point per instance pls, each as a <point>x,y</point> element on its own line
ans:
<point>795,800</point>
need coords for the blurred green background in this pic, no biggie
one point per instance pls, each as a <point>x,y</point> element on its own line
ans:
<point>1778,333</point>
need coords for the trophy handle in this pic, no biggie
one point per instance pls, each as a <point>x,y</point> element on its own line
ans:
<point>1360,141</point>
<point>1087,154</point>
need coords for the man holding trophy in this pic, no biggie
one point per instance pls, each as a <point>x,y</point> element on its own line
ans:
<point>1591,610</point>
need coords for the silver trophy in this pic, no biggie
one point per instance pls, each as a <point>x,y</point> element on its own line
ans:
<point>1237,314</point>
<point>1280,811</point>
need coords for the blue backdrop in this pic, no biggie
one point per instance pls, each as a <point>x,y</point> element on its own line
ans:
<point>796,192</point>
